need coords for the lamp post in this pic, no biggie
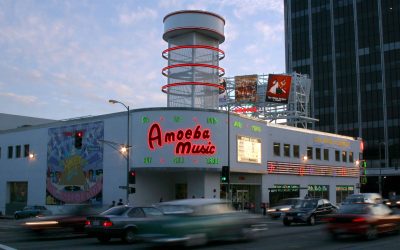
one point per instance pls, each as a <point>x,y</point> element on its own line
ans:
<point>127,146</point>
<point>380,167</point>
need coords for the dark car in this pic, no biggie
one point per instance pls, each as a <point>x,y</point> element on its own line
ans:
<point>309,211</point>
<point>69,217</point>
<point>363,219</point>
<point>393,202</point>
<point>281,207</point>
<point>32,211</point>
<point>196,221</point>
<point>123,222</point>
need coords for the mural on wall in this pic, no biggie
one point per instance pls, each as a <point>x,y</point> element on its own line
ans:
<point>75,164</point>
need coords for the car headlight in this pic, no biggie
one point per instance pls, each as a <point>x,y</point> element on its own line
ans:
<point>285,209</point>
<point>271,210</point>
<point>397,202</point>
<point>39,223</point>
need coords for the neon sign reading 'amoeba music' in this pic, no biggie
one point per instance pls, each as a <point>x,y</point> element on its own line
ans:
<point>190,141</point>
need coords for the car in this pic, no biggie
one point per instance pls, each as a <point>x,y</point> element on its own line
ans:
<point>363,219</point>
<point>192,222</point>
<point>309,211</point>
<point>363,198</point>
<point>71,216</point>
<point>123,222</point>
<point>31,211</point>
<point>393,201</point>
<point>281,207</point>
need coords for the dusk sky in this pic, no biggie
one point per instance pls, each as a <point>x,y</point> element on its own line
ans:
<point>65,59</point>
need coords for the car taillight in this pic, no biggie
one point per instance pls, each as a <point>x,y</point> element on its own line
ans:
<point>107,224</point>
<point>87,222</point>
<point>361,219</point>
<point>328,219</point>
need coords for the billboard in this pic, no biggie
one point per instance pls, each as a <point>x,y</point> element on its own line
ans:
<point>75,172</point>
<point>278,88</point>
<point>246,88</point>
<point>248,149</point>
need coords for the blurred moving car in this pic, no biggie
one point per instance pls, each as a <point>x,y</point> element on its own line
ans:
<point>123,222</point>
<point>393,202</point>
<point>309,211</point>
<point>283,206</point>
<point>32,211</point>
<point>70,217</point>
<point>363,198</point>
<point>364,219</point>
<point>193,222</point>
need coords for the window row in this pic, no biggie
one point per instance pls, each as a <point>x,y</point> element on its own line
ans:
<point>16,152</point>
<point>312,153</point>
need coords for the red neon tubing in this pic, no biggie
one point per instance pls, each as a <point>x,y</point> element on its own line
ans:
<point>207,84</point>
<point>181,65</point>
<point>165,52</point>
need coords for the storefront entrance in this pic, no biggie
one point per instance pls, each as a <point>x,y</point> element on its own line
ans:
<point>244,197</point>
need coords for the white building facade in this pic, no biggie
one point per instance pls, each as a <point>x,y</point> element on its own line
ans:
<point>176,153</point>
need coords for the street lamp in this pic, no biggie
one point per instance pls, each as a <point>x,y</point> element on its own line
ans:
<point>380,166</point>
<point>125,149</point>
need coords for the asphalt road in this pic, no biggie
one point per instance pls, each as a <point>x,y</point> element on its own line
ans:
<point>278,237</point>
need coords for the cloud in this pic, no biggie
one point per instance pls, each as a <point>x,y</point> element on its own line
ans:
<point>137,16</point>
<point>245,8</point>
<point>24,99</point>
<point>270,32</point>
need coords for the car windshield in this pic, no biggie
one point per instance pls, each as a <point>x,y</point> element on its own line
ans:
<point>354,209</point>
<point>116,211</point>
<point>287,202</point>
<point>306,204</point>
<point>176,209</point>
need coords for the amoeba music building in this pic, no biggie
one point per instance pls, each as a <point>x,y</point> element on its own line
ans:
<point>177,153</point>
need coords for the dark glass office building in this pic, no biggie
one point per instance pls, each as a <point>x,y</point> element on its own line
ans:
<point>351,50</point>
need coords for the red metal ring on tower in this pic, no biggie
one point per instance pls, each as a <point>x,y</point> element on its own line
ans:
<point>182,65</point>
<point>221,53</point>
<point>207,84</point>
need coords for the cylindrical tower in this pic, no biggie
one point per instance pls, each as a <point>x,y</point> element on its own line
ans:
<point>193,56</point>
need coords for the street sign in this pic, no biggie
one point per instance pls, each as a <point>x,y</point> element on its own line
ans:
<point>122,187</point>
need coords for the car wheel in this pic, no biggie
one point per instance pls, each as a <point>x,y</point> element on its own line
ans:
<point>286,222</point>
<point>129,235</point>
<point>104,239</point>
<point>371,233</point>
<point>311,220</point>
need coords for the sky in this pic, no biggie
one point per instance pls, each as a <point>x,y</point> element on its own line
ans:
<point>62,59</point>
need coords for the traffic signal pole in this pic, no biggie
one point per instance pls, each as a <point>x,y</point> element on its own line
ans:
<point>229,152</point>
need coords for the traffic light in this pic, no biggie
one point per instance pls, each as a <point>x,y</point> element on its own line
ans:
<point>78,139</point>
<point>132,177</point>
<point>225,174</point>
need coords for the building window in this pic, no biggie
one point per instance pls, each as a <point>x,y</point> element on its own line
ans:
<point>337,155</point>
<point>344,156</point>
<point>18,151</point>
<point>286,150</point>
<point>318,191</point>
<point>277,149</point>
<point>351,159</point>
<point>310,153</point>
<point>296,151</point>
<point>342,192</point>
<point>10,152</point>
<point>318,153</point>
<point>26,150</point>
<point>326,154</point>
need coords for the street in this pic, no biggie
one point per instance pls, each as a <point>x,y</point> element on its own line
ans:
<point>276,238</point>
